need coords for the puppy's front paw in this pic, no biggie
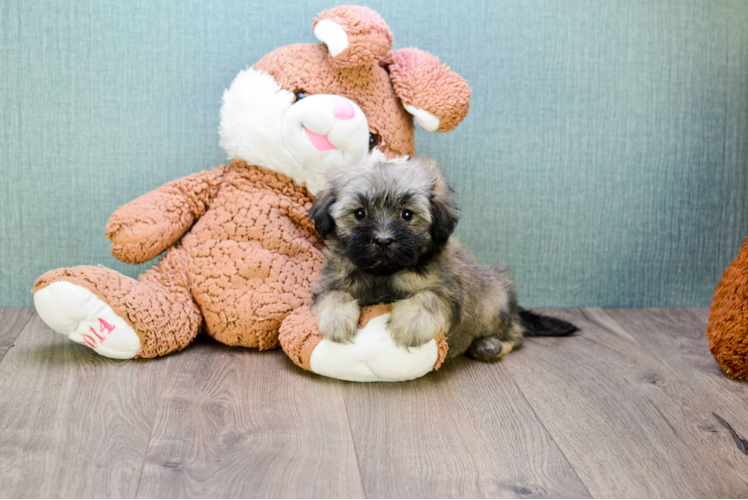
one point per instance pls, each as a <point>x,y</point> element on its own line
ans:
<point>337,315</point>
<point>337,328</point>
<point>411,325</point>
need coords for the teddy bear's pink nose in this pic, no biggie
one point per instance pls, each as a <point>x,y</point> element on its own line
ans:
<point>342,108</point>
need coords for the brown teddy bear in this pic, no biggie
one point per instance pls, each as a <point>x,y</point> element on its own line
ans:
<point>728,318</point>
<point>240,252</point>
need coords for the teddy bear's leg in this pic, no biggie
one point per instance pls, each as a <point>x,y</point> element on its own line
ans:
<point>299,335</point>
<point>120,317</point>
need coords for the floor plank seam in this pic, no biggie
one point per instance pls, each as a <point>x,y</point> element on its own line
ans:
<point>355,450</point>
<point>741,444</point>
<point>662,361</point>
<point>639,411</point>
<point>150,437</point>
<point>655,354</point>
<point>632,338</point>
<point>20,331</point>
<point>553,438</point>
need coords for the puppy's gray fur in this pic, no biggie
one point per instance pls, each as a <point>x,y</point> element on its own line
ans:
<point>410,260</point>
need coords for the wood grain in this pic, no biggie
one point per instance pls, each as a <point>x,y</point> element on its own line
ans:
<point>12,321</point>
<point>74,424</point>
<point>678,338</point>
<point>241,423</point>
<point>464,431</point>
<point>628,424</point>
<point>702,313</point>
<point>632,406</point>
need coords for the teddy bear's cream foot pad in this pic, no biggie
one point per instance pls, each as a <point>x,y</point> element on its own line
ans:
<point>86,319</point>
<point>373,357</point>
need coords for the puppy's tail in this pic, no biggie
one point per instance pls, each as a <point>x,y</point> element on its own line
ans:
<point>537,325</point>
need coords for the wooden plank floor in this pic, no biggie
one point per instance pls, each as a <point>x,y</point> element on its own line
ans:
<point>632,406</point>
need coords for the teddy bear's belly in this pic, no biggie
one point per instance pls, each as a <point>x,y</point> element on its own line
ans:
<point>249,275</point>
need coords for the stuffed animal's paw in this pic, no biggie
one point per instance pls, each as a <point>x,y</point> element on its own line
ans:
<point>86,319</point>
<point>138,242</point>
<point>372,357</point>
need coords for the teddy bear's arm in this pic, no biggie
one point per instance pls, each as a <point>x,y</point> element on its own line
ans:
<point>148,225</point>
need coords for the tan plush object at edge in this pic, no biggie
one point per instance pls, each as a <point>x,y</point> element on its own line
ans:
<point>299,334</point>
<point>728,318</point>
<point>249,260</point>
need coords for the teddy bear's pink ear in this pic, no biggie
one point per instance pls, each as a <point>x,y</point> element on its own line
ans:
<point>355,36</point>
<point>435,95</point>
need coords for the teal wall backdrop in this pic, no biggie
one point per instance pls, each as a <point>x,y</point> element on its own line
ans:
<point>605,157</point>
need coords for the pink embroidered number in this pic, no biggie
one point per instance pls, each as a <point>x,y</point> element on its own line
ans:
<point>104,330</point>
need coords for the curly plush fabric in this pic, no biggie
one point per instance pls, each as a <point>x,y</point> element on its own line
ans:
<point>241,254</point>
<point>150,224</point>
<point>249,261</point>
<point>158,306</point>
<point>413,72</point>
<point>308,68</point>
<point>299,334</point>
<point>369,37</point>
<point>728,318</point>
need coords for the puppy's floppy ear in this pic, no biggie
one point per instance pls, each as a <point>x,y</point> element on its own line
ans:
<point>443,209</point>
<point>320,212</point>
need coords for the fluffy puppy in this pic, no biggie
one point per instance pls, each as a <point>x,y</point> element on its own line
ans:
<point>388,233</point>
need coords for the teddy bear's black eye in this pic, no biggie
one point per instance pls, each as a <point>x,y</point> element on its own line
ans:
<point>373,140</point>
<point>359,214</point>
<point>407,215</point>
<point>300,96</point>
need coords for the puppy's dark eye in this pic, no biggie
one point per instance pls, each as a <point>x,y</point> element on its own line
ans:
<point>300,95</point>
<point>373,140</point>
<point>359,214</point>
<point>407,215</point>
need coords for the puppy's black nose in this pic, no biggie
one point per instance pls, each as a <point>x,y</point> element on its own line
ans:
<point>382,241</point>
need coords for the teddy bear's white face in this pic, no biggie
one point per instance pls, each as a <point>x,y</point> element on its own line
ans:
<point>303,138</point>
